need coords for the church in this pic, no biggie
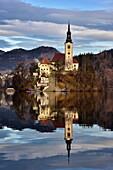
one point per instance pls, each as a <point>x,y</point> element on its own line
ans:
<point>66,59</point>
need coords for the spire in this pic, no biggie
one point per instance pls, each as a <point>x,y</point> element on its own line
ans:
<point>68,142</point>
<point>69,26</point>
<point>68,33</point>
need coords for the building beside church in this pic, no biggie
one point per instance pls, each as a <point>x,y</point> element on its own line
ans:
<point>45,66</point>
<point>66,59</point>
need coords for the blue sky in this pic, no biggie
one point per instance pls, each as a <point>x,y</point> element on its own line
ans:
<point>73,4</point>
<point>32,23</point>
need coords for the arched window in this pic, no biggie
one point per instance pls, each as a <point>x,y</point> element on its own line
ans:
<point>68,46</point>
<point>68,134</point>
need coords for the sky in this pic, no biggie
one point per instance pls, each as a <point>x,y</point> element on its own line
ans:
<point>29,24</point>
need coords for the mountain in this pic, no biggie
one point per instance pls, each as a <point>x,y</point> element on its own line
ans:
<point>8,60</point>
<point>1,52</point>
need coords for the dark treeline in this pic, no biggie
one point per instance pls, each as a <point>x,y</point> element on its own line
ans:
<point>102,63</point>
<point>87,78</point>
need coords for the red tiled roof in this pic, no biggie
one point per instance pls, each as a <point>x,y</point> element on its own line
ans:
<point>59,57</point>
<point>45,61</point>
<point>75,61</point>
<point>75,121</point>
<point>56,124</point>
<point>45,122</point>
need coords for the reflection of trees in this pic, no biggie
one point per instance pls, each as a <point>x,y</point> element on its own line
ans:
<point>23,106</point>
<point>93,108</point>
<point>106,115</point>
<point>88,105</point>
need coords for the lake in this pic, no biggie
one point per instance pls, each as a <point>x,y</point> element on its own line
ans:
<point>56,131</point>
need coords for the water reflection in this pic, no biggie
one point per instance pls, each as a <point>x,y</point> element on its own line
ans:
<point>45,112</point>
<point>50,108</point>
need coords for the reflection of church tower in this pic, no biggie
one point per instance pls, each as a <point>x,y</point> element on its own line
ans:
<point>68,130</point>
<point>68,51</point>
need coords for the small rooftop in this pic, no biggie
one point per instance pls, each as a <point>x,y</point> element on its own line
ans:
<point>45,61</point>
<point>75,61</point>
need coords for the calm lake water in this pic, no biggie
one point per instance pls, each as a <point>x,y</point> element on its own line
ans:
<point>46,131</point>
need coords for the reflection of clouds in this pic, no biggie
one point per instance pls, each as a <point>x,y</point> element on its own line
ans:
<point>31,151</point>
<point>87,129</point>
<point>25,136</point>
<point>91,139</point>
<point>30,144</point>
<point>96,159</point>
<point>7,135</point>
<point>43,145</point>
<point>94,131</point>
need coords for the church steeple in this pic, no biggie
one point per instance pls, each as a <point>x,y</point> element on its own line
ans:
<point>68,51</point>
<point>68,142</point>
<point>68,39</point>
<point>68,136</point>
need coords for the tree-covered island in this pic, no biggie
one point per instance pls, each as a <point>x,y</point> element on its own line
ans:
<point>87,78</point>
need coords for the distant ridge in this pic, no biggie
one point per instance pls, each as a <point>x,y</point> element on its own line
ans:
<point>9,59</point>
<point>1,52</point>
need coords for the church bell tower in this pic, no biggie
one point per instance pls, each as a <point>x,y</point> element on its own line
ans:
<point>68,131</point>
<point>68,51</point>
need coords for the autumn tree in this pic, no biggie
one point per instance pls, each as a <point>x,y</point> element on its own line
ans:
<point>20,76</point>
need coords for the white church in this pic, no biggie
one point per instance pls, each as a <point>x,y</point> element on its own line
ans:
<point>46,66</point>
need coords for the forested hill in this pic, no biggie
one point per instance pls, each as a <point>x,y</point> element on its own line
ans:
<point>8,60</point>
<point>102,62</point>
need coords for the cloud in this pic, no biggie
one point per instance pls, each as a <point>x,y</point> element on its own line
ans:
<point>15,10</point>
<point>37,29</point>
<point>30,34</point>
<point>45,26</point>
<point>94,34</point>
